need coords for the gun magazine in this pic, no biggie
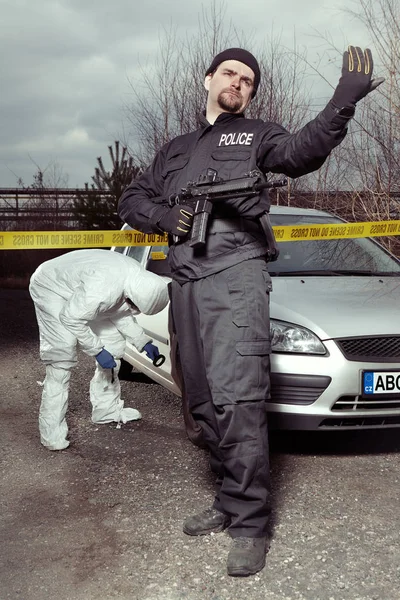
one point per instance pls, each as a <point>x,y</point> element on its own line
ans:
<point>199,230</point>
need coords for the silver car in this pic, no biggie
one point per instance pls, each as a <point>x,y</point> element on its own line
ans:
<point>335,330</point>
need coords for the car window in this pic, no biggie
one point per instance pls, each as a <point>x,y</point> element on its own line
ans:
<point>136,252</point>
<point>342,255</point>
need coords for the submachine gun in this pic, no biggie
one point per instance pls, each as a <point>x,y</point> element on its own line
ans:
<point>201,196</point>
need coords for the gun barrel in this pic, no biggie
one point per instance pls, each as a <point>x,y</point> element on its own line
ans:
<point>236,187</point>
<point>271,184</point>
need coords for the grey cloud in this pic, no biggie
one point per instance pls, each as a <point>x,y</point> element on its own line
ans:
<point>68,63</point>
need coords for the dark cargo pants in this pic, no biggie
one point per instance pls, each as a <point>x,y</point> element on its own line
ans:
<point>222,324</point>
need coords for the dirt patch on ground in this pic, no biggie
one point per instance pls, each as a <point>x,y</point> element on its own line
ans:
<point>102,519</point>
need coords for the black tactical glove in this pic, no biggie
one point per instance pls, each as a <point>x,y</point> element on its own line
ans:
<point>356,80</point>
<point>176,220</point>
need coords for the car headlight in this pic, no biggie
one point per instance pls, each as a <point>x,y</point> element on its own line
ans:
<point>288,337</point>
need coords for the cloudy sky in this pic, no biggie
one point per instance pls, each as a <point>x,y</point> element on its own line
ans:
<point>67,65</point>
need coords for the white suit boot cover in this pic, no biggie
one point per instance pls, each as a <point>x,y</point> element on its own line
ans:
<point>129,414</point>
<point>53,426</point>
<point>105,396</point>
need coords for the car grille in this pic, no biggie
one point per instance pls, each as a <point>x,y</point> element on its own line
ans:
<point>285,394</point>
<point>359,422</point>
<point>371,349</point>
<point>288,388</point>
<point>355,403</point>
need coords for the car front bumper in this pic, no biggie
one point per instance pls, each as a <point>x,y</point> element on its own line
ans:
<point>325,392</point>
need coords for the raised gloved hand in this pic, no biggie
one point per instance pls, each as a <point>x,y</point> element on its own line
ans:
<point>356,80</point>
<point>105,359</point>
<point>151,350</point>
<point>177,220</point>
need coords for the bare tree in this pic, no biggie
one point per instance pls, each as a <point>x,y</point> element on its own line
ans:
<point>369,159</point>
<point>45,202</point>
<point>169,99</point>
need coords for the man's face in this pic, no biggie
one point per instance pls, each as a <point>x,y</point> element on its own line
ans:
<point>230,86</point>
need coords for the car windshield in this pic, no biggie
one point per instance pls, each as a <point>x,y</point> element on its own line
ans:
<point>358,256</point>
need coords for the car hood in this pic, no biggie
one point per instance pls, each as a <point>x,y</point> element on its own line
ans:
<point>338,306</point>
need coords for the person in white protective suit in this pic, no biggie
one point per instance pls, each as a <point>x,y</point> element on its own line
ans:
<point>90,298</point>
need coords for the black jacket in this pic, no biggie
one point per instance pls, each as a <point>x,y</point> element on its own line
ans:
<point>233,146</point>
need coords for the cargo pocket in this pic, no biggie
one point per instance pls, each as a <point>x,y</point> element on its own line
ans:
<point>173,174</point>
<point>231,163</point>
<point>252,370</point>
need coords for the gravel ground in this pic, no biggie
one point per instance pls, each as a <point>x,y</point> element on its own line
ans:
<point>102,519</point>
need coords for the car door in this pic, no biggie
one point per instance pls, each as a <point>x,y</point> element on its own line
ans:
<point>154,259</point>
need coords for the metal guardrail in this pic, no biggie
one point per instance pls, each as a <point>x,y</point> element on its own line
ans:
<point>27,204</point>
<point>55,204</point>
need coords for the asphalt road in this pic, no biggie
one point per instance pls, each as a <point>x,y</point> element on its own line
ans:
<point>102,519</point>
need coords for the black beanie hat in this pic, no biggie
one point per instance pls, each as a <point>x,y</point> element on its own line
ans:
<point>242,56</point>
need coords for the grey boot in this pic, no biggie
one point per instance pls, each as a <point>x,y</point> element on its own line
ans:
<point>246,556</point>
<point>208,521</point>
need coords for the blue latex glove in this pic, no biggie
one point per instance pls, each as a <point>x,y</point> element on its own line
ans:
<point>151,350</point>
<point>105,359</point>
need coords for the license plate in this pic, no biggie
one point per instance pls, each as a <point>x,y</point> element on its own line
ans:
<point>380,382</point>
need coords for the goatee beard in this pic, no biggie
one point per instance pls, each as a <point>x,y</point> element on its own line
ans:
<point>231,103</point>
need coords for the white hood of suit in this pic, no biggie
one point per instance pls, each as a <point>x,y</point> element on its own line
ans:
<point>93,286</point>
<point>147,291</point>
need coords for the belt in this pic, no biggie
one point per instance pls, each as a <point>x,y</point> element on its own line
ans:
<point>217,225</point>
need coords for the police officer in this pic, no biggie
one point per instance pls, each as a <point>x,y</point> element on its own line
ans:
<point>220,294</point>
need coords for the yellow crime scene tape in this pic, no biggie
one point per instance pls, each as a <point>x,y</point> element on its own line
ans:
<point>31,240</point>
